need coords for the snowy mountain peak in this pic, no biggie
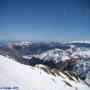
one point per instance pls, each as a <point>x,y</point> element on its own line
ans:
<point>86,42</point>
<point>24,43</point>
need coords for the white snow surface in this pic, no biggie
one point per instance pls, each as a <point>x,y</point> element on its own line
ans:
<point>63,55</point>
<point>14,74</point>
<point>85,41</point>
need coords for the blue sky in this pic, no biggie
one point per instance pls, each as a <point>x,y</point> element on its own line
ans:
<point>64,20</point>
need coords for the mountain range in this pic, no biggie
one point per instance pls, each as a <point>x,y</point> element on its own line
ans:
<point>59,61</point>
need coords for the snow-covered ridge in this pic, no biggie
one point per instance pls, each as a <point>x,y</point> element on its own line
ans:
<point>51,42</point>
<point>27,43</point>
<point>86,42</point>
<point>24,43</point>
<point>62,55</point>
<point>55,54</point>
<point>26,77</point>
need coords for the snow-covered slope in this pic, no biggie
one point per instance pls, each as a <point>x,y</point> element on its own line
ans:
<point>86,42</point>
<point>14,74</point>
<point>81,57</point>
<point>55,54</point>
<point>62,55</point>
<point>83,68</point>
